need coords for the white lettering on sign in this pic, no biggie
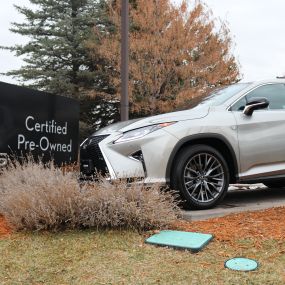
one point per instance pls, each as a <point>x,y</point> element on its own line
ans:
<point>27,127</point>
<point>49,127</point>
<point>44,144</point>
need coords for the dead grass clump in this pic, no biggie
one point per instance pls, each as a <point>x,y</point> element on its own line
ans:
<point>43,197</point>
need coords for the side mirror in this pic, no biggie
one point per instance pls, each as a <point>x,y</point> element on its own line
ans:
<point>255,104</point>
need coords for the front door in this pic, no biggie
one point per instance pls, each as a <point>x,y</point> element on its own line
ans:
<point>262,135</point>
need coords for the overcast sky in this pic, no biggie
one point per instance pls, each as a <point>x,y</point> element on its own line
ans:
<point>257,28</point>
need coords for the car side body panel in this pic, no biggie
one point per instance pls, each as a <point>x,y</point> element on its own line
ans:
<point>261,140</point>
<point>217,125</point>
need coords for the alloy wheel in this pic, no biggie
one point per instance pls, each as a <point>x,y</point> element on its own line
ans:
<point>204,177</point>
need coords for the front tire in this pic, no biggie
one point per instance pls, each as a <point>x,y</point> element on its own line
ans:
<point>201,175</point>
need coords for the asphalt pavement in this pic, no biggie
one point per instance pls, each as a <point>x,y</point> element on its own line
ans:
<point>241,199</point>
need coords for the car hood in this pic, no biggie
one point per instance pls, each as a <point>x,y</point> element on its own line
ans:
<point>125,126</point>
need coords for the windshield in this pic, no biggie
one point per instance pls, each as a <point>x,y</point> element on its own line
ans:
<point>219,96</point>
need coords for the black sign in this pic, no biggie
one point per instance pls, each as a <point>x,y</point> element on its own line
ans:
<point>38,123</point>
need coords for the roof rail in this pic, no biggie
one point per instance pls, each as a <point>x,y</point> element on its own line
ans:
<point>280,77</point>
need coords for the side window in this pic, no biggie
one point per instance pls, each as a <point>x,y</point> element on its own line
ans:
<point>274,93</point>
<point>239,105</point>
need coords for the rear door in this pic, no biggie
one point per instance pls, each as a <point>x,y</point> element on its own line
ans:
<point>262,135</point>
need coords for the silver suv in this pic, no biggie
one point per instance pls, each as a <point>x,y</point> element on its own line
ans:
<point>235,134</point>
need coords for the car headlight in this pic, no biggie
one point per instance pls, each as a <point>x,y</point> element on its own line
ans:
<point>141,132</point>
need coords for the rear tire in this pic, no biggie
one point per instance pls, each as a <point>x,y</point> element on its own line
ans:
<point>201,175</point>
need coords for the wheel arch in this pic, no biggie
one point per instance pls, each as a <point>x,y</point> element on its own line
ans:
<point>216,141</point>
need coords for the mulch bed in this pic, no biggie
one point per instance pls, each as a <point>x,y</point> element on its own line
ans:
<point>257,225</point>
<point>5,230</point>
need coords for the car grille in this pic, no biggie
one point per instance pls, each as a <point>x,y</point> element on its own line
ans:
<point>91,157</point>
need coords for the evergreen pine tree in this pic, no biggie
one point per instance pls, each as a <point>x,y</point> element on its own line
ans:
<point>56,57</point>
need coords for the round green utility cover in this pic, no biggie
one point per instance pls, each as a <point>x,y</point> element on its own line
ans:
<point>241,264</point>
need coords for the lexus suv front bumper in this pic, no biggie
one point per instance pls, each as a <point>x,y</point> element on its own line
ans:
<point>145,158</point>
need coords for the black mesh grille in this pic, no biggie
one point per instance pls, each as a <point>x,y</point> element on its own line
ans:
<point>91,157</point>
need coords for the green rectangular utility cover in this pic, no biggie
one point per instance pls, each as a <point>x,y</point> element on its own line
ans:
<point>182,240</point>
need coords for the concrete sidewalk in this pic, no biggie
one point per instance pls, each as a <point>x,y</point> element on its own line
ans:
<point>240,200</point>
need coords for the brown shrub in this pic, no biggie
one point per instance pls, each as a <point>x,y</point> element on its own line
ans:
<point>43,197</point>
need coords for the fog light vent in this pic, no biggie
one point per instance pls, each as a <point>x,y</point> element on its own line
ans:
<point>138,155</point>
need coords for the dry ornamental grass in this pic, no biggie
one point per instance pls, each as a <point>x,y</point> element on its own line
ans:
<point>43,197</point>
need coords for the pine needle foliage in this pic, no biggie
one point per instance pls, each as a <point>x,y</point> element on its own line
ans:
<point>55,56</point>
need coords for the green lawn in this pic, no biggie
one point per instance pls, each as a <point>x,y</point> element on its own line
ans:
<point>113,257</point>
